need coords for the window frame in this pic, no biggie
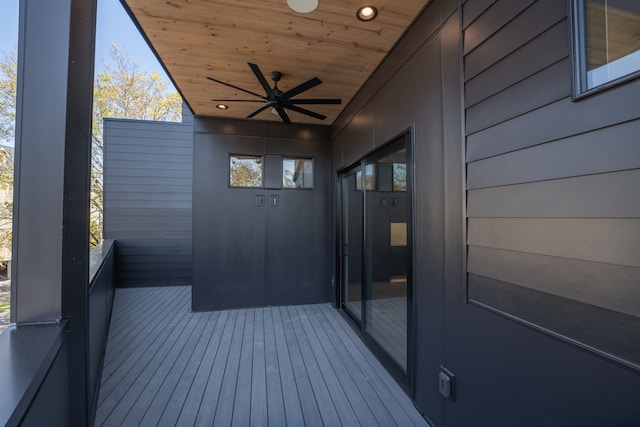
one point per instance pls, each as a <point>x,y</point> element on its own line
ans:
<point>578,55</point>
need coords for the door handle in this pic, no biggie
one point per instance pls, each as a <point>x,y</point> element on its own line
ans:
<point>343,249</point>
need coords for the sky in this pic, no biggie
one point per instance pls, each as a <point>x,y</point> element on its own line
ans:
<point>114,26</point>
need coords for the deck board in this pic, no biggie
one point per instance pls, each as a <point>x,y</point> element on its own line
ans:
<point>308,401</point>
<point>274,366</point>
<point>241,416</point>
<point>259,414</point>
<point>139,306</point>
<point>135,376</point>
<point>290,393</point>
<point>388,390</point>
<point>275,399</point>
<point>196,366</point>
<point>207,381</point>
<point>181,369</point>
<point>326,373</point>
<point>342,372</point>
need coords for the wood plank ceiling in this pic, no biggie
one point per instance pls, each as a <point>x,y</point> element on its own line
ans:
<point>216,38</point>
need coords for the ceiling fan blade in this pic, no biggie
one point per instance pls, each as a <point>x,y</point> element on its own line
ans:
<point>263,82</point>
<point>283,114</point>
<point>236,87</point>
<point>315,101</point>
<point>258,111</point>
<point>302,87</point>
<point>307,112</point>
<point>238,100</point>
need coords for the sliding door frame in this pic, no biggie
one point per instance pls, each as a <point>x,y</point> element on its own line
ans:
<point>405,379</point>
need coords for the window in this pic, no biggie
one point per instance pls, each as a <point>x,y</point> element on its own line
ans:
<point>388,174</point>
<point>370,176</point>
<point>297,173</point>
<point>606,42</point>
<point>399,177</point>
<point>245,171</point>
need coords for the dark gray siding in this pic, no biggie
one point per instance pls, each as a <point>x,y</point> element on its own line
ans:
<point>553,230</point>
<point>552,183</point>
<point>534,307</point>
<point>147,200</point>
<point>417,88</point>
<point>251,255</point>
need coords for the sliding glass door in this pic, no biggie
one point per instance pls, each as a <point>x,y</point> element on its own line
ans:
<point>388,260</point>
<point>376,248</point>
<point>351,246</point>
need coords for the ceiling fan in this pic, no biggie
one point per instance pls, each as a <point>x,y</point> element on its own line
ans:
<point>278,100</point>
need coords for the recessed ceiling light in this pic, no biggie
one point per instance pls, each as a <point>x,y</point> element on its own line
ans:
<point>303,6</point>
<point>367,13</point>
<point>222,107</point>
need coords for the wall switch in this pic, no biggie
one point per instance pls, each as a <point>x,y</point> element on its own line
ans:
<point>446,383</point>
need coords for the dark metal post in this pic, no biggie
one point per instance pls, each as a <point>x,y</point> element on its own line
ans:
<point>40,138</point>
<point>51,193</point>
<point>75,208</point>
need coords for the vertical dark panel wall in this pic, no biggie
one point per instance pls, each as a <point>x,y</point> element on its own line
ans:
<point>50,405</point>
<point>247,254</point>
<point>147,200</point>
<point>409,92</point>
<point>553,223</point>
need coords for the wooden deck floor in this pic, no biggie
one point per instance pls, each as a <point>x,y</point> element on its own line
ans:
<point>276,366</point>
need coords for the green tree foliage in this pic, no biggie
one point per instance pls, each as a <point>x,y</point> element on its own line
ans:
<point>8,73</point>
<point>245,171</point>
<point>123,91</point>
<point>120,91</point>
<point>6,196</point>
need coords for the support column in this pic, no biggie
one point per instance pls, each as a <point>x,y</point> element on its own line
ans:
<point>75,207</point>
<point>41,111</point>
<point>52,164</point>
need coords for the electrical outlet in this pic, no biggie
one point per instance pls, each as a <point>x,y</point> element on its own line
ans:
<point>446,382</point>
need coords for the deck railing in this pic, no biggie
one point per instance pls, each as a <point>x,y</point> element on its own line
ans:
<point>101,291</point>
<point>33,357</point>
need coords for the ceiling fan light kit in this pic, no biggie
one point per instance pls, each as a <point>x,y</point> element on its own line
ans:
<point>278,100</point>
<point>303,6</point>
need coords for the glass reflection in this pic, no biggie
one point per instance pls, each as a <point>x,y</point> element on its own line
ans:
<point>612,42</point>
<point>387,218</point>
<point>297,173</point>
<point>245,171</point>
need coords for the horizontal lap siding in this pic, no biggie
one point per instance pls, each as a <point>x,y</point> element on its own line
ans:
<point>552,206</point>
<point>148,200</point>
